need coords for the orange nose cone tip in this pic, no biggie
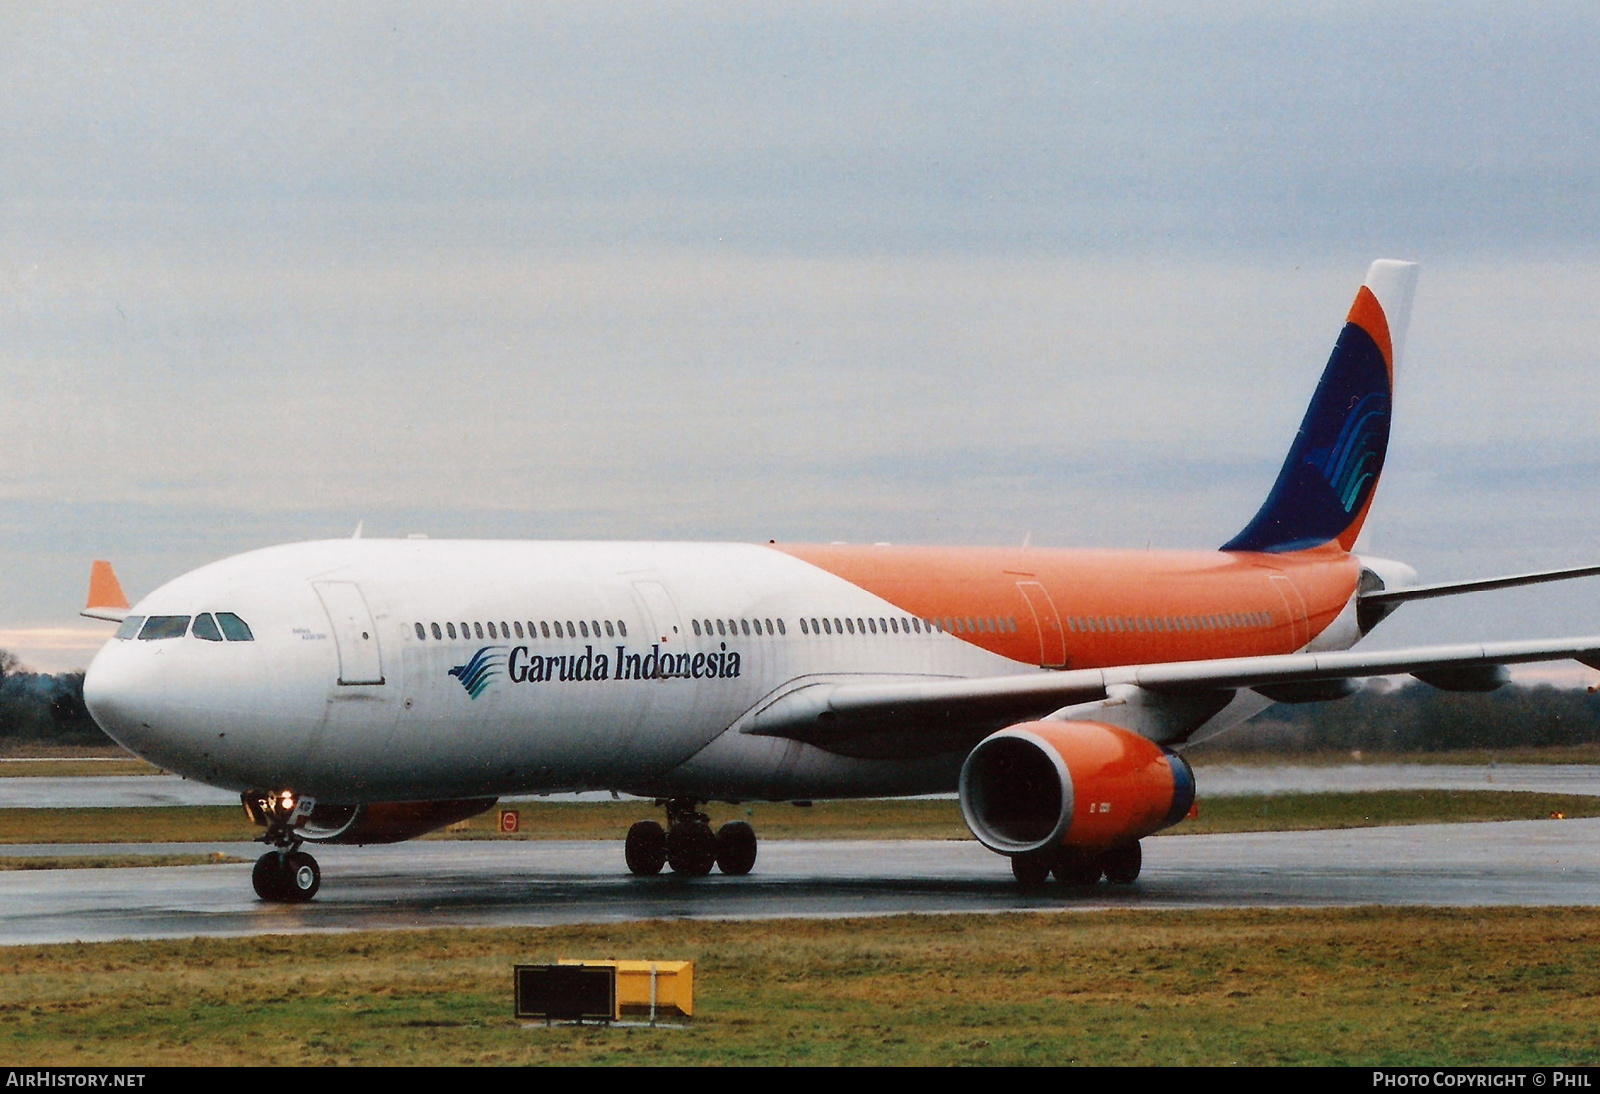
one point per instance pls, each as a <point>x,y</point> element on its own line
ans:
<point>105,591</point>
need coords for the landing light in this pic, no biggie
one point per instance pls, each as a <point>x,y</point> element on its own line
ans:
<point>286,801</point>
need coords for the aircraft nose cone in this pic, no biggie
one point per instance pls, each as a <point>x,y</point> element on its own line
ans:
<point>122,697</point>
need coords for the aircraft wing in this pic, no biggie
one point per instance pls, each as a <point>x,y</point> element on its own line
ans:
<point>897,717</point>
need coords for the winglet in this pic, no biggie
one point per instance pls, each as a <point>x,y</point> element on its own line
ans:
<point>106,598</point>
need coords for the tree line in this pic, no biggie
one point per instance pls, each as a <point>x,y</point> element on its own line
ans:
<point>1414,717</point>
<point>44,708</point>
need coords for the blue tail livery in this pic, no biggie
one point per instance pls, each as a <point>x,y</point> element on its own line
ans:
<point>1325,486</point>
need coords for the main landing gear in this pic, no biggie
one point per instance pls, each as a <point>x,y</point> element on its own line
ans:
<point>688,845</point>
<point>1070,866</point>
<point>285,875</point>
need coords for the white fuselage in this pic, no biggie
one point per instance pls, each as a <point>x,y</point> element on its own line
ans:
<point>338,697</point>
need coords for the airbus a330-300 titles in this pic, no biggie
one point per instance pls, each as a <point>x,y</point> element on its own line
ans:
<point>367,691</point>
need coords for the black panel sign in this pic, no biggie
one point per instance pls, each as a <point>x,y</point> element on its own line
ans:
<point>566,993</point>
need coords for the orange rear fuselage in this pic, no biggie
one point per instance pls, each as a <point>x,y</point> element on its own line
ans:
<point>1087,609</point>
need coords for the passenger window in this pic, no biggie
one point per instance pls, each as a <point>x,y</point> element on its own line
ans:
<point>595,624</point>
<point>769,626</point>
<point>584,627</point>
<point>622,628</point>
<point>611,632</point>
<point>451,627</point>
<point>164,626</point>
<point>780,626</point>
<point>695,623</point>
<point>234,629</point>
<point>518,626</point>
<point>733,626</point>
<point>130,627</point>
<point>505,629</point>
<point>838,627</point>
<point>421,634</point>
<point>492,633</point>
<point>478,627</point>
<point>572,632</point>
<point>850,625</point>
<point>544,629</point>
<point>435,628</point>
<point>872,625</point>
<point>206,627</point>
<point>827,627</point>
<point>804,628</point>
<point>721,629</point>
<point>744,625</point>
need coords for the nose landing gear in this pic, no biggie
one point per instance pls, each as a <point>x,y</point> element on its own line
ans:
<point>286,875</point>
<point>688,844</point>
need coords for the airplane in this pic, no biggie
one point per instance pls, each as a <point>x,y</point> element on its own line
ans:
<point>371,690</point>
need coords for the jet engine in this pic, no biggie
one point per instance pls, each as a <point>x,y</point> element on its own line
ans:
<point>1085,785</point>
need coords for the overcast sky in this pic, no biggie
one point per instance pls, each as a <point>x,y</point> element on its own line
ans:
<point>923,273</point>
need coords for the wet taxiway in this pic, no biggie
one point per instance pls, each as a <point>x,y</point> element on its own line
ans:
<point>531,883</point>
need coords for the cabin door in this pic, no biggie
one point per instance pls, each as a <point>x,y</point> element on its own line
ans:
<point>360,659</point>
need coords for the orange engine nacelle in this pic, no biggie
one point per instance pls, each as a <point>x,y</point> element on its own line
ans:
<point>384,822</point>
<point>1081,784</point>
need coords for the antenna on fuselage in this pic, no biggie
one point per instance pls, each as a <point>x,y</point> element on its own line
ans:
<point>359,525</point>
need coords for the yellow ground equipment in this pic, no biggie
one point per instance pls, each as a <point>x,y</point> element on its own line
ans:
<point>650,988</point>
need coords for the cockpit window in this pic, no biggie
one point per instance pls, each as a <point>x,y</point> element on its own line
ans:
<point>234,629</point>
<point>164,626</point>
<point>206,627</point>
<point>130,627</point>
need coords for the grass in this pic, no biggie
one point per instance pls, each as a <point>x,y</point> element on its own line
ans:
<point>1363,986</point>
<point>903,819</point>
<point>1209,755</point>
<point>1368,809</point>
<point>112,862</point>
<point>13,749</point>
<point>14,767</point>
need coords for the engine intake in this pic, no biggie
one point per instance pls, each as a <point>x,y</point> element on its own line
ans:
<point>1081,784</point>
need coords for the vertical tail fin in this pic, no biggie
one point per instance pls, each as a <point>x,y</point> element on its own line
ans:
<point>1325,487</point>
